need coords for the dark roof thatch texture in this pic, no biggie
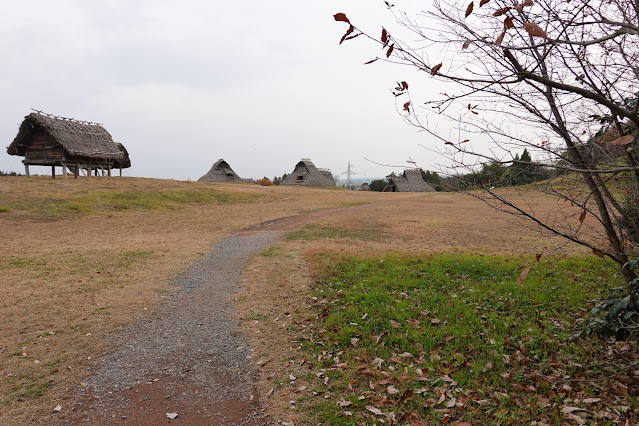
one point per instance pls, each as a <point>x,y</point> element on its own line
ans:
<point>123,162</point>
<point>307,174</point>
<point>410,181</point>
<point>78,139</point>
<point>220,172</point>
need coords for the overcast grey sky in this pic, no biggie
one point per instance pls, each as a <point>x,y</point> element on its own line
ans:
<point>258,83</point>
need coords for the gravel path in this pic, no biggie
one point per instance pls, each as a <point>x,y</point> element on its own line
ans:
<point>186,365</point>
<point>187,359</point>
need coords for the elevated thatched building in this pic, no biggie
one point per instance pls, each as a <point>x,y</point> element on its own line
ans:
<point>220,172</point>
<point>46,140</point>
<point>410,181</point>
<point>307,174</point>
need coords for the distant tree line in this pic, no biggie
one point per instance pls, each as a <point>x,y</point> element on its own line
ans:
<point>9,173</point>
<point>521,171</point>
<point>278,180</point>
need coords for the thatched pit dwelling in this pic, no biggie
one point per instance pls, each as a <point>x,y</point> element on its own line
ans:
<point>221,172</point>
<point>46,140</point>
<point>410,181</point>
<point>307,174</point>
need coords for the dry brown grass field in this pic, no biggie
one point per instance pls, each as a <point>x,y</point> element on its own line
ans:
<point>80,259</point>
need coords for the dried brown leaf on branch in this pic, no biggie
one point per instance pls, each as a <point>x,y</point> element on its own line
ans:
<point>340,17</point>
<point>435,69</point>
<point>407,106</point>
<point>508,23</point>
<point>466,44</point>
<point>582,216</point>
<point>390,50</point>
<point>385,37</point>
<point>535,30</point>
<point>483,2</point>
<point>370,62</point>
<point>502,11</point>
<point>469,9</point>
<point>348,32</point>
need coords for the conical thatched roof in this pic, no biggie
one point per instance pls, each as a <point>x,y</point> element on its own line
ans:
<point>410,181</point>
<point>307,174</point>
<point>220,172</point>
<point>78,139</point>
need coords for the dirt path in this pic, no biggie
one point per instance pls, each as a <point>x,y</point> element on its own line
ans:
<point>188,360</point>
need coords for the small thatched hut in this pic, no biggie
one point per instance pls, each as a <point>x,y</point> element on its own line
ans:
<point>307,174</point>
<point>410,181</point>
<point>46,140</point>
<point>220,172</point>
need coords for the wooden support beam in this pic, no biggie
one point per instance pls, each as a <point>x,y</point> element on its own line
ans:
<point>52,172</point>
<point>120,171</point>
<point>109,170</point>
<point>76,172</point>
<point>64,170</point>
<point>26,169</point>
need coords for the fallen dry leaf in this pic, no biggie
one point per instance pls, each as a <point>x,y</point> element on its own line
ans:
<point>343,403</point>
<point>568,410</point>
<point>374,410</point>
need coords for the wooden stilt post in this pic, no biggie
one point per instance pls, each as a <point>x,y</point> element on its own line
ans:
<point>64,170</point>
<point>52,172</point>
<point>76,172</point>
<point>26,169</point>
<point>120,171</point>
<point>89,171</point>
<point>109,170</point>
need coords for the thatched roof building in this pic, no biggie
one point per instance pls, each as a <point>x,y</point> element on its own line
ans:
<point>220,172</point>
<point>123,162</point>
<point>410,181</point>
<point>46,140</point>
<point>307,174</point>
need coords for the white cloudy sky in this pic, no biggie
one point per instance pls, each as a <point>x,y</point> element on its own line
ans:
<point>181,84</point>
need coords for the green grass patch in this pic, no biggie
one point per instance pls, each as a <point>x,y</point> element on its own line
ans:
<point>455,338</point>
<point>319,232</point>
<point>132,256</point>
